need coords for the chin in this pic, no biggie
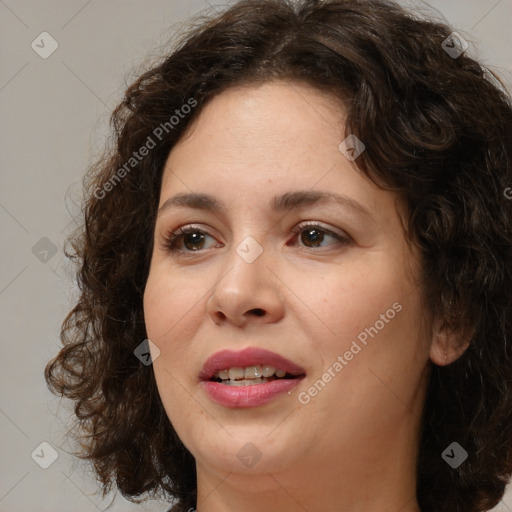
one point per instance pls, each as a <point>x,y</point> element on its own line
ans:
<point>246,450</point>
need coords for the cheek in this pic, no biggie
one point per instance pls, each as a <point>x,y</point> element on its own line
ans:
<point>382,347</point>
<point>370,311</point>
<point>169,303</point>
<point>374,363</point>
<point>168,314</point>
<point>352,298</point>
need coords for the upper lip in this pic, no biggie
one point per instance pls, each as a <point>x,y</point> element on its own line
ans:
<point>250,356</point>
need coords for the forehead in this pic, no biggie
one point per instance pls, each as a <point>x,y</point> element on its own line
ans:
<point>269,146</point>
<point>259,134</point>
<point>264,122</point>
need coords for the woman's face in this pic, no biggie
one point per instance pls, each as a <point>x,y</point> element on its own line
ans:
<point>274,262</point>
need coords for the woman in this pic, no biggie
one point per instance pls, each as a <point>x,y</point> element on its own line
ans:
<point>296,269</point>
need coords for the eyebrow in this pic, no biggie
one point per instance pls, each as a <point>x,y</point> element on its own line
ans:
<point>285,202</point>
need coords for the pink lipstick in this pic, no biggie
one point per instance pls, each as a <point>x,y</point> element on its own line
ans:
<point>249,377</point>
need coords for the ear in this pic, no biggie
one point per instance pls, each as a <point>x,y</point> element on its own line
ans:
<point>447,345</point>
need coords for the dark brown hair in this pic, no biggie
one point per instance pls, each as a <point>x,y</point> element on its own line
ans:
<point>437,129</point>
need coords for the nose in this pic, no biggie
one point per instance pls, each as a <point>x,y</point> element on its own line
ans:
<point>246,292</point>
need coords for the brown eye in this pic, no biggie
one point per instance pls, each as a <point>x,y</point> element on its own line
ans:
<point>186,239</point>
<point>193,240</point>
<point>313,235</point>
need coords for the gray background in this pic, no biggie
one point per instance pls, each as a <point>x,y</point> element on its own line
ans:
<point>54,115</point>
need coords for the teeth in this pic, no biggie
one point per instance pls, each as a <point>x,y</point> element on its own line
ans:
<point>236,373</point>
<point>256,374</point>
<point>268,370</point>
<point>252,372</point>
<point>246,382</point>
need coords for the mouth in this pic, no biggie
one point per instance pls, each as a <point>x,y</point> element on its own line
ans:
<point>250,375</point>
<point>249,367</point>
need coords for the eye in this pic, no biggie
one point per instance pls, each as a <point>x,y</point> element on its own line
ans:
<point>313,234</point>
<point>191,237</point>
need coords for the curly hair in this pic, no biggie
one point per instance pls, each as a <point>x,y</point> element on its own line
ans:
<point>437,130</point>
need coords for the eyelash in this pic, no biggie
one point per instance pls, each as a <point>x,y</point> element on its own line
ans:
<point>172,238</point>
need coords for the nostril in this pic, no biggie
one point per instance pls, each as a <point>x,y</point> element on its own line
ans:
<point>258,312</point>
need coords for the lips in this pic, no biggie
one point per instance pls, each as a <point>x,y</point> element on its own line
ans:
<point>250,390</point>
<point>250,356</point>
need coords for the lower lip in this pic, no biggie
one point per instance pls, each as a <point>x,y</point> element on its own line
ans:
<point>248,396</point>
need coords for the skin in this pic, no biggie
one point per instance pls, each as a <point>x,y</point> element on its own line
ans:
<point>352,447</point>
